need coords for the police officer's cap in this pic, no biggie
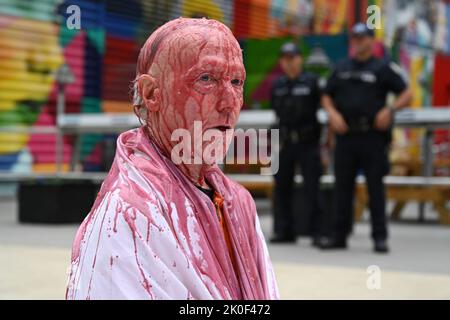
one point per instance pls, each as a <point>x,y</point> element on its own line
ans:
<point>361,30</point>
<point>290,49</point>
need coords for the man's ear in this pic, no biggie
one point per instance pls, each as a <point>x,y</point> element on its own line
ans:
<point>149,92</point>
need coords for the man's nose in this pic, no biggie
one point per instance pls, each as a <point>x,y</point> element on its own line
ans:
<point>228,98</point>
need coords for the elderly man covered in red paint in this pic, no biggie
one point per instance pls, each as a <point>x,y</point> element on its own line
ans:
<point>167,223</point>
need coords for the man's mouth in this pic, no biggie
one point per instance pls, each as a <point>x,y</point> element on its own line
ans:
<point>222,128</point>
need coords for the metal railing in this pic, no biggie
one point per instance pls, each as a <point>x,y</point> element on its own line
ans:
<point>109,123</point>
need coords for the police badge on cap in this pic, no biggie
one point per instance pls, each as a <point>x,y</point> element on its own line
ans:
<point>290,49</point>
<point>361,30</point>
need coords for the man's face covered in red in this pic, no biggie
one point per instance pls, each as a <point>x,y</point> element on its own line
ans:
<point>190,73</point>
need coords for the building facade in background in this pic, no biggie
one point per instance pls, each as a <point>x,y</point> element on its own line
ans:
<point>35,42</point>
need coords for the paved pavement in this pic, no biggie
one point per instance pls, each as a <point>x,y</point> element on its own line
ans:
<point>34,260</point>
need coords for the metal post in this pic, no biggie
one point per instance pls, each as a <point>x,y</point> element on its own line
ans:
<point>60,109</point>
<point>75,152</point>
<point>64,76</point>
<point>427,166</point>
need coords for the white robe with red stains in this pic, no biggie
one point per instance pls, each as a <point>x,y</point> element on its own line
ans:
<point>152,234</point>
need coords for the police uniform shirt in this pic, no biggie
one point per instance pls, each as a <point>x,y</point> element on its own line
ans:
<point>296,101</point>
<point>360,89</point>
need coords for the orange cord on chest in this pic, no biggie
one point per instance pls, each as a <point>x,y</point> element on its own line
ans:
<point>218,204</point>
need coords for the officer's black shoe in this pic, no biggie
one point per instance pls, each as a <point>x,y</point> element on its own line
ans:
<point>380,246</point>
<point>283,239</point>
<point>316,242</point>
<point>333,244</point>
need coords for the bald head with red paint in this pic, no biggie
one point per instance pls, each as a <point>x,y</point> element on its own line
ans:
<point>189,70</point>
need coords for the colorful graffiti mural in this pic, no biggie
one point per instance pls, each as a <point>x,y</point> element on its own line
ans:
<point>30,54</point>
<point>35,42</point>
<point>411,33</point>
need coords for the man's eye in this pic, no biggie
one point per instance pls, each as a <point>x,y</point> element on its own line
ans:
<point>237,82</point>
<point>205,78</point>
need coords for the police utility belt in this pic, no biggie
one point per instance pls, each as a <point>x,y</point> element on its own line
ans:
<point>298,134</point>
<point>359,124</point>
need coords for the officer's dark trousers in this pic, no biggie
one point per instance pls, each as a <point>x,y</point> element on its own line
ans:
<point>366,151</point>
<point>307,155</point>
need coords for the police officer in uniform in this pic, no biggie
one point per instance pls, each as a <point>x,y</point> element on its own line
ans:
<point>295,98</point>
<point>355,100</point>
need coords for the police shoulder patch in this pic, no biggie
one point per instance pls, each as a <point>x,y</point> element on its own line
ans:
<point>396,68</point>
